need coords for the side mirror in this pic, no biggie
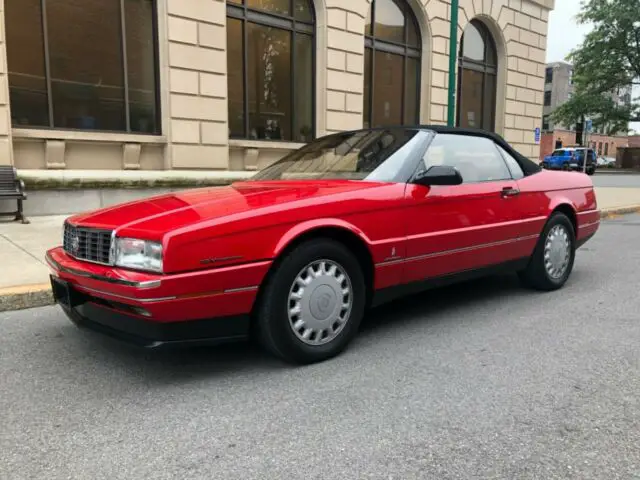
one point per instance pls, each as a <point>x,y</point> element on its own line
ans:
<point>439,175</point>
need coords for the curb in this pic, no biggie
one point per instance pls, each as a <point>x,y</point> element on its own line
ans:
<point>614,212</point>
<point>33,296</point>
<point>25,296</point>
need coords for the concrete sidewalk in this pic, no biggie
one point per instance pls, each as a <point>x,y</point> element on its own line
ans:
<point>24,275</point>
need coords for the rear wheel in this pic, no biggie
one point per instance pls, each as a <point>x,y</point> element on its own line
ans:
<point>313,303</point>
<point>552,261</point>
<point>591,170</point>
<point>566,166</point>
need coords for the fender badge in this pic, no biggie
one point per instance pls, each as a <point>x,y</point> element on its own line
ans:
<point>209,261</point>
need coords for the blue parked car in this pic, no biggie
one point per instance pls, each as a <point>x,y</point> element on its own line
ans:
<point>571,158</point>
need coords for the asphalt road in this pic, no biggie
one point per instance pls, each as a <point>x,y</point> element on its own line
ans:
<point>484,380</point>
<point>620,180</point>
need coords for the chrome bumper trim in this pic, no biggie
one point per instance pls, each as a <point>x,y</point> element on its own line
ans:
<point>101,278</point>
<point>123,297</point>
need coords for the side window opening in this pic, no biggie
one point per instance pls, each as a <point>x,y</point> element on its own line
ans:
<point>476,158</point>
<point>512,163</point>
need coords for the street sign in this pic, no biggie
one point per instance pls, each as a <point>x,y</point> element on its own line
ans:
<point>537,134</point>
<point>589,125</point>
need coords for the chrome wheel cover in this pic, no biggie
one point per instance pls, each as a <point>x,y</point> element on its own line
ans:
<point>320,302</point>
<point>557,252</point>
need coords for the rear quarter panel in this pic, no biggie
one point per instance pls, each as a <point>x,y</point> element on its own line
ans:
<point>547,191</point>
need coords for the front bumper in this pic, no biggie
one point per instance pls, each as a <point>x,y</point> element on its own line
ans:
<point>150,310</point>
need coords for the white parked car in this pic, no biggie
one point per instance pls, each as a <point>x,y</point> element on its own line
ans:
<point>606,162</point>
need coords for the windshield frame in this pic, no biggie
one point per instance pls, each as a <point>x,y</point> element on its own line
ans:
<point>417,146</point>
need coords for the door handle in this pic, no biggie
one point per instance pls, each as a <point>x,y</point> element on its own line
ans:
<point>510,192</point>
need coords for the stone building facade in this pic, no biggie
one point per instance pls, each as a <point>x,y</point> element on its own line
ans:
<point>236,84</point>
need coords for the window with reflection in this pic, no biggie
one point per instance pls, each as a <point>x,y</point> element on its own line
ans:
<point>271,65</point>
<point>83,64</point>
<point>477,70</point>
<point>392,65</point>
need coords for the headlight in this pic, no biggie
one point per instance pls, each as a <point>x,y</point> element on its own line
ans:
<point>138,254</point>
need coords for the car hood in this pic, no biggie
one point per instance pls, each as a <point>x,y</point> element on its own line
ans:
<point>152,217</point>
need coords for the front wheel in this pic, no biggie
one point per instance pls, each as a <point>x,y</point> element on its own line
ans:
<point>313,303</point>
<point>552,261</point>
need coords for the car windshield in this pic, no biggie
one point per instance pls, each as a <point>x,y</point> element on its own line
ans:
<point>371,155</point>
<point>561,153</point>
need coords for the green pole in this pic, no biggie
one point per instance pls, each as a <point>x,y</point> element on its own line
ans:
<point>453,50</point>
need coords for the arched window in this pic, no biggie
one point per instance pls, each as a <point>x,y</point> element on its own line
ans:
<point>271,69</point>
<point>392,65</point>
<point>477,69</point>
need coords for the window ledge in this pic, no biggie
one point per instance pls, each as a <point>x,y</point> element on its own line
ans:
<point>265,144</point>
<point>84,136</point>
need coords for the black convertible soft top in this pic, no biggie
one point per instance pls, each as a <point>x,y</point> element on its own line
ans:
<point>529,167</point>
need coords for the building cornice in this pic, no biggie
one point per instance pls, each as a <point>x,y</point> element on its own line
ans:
<point>548,4</point>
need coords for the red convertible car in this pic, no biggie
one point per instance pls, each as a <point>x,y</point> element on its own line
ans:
<point>296,255</point>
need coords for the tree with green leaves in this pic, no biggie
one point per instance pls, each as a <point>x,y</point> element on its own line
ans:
<point>608,61</point>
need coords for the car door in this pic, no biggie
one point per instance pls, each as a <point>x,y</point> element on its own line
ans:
<point>464,227</point>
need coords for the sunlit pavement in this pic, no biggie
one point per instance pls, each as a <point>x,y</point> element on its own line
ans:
<point>485,380</point>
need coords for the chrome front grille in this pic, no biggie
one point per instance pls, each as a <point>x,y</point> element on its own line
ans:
<point>89,244</point>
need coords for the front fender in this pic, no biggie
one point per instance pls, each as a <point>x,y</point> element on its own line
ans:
<point>317,224</point>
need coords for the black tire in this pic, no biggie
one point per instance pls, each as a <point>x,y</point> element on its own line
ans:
<point>272,318</point>
<point>536,275</point>
<point>591,171</point>
<point>566,167</point>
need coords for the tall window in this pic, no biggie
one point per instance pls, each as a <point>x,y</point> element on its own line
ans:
<point>83,64</point>
<point>271,69</point>
<point>547,98</point>
<point>548,75</point>
<point>478,66</point>
<point>392,65</point>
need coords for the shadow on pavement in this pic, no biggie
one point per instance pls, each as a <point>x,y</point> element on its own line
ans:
<point>438,301</point>
<point>111,358</point>
<point>186,364</point>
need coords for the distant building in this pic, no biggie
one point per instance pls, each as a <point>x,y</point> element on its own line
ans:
<point>603,145</point>
<point>558,89</point>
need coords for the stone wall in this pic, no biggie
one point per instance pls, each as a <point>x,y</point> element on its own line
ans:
<point>197,84</point>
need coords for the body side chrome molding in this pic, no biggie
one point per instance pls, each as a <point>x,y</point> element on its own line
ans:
<point>591,224</point>
<point>243,289</point>
<point>586,212</point>
<point>458,250</point>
